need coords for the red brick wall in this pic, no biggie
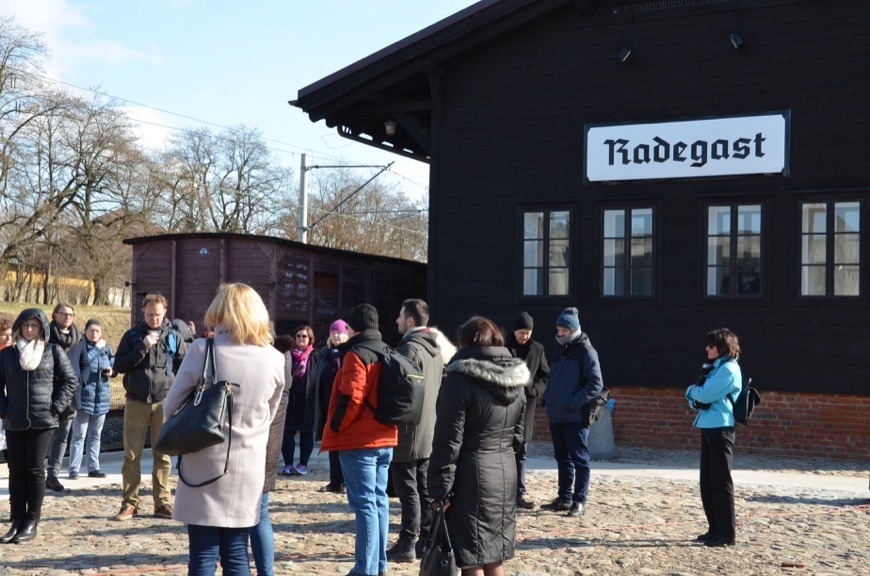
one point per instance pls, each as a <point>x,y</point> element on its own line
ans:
<point>784,424</point>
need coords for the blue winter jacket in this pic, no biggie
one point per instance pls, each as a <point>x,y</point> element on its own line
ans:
<point>88,361</point>
<point>575,380</point>
<point>723,380</point>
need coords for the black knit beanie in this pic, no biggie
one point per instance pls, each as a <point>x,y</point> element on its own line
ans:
<point>363,317</point>
<point>524,322</point>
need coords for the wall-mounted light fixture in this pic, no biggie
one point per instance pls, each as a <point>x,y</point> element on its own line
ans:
<point>390,127</point>
<point>624,54</point>
<point>737,41</point>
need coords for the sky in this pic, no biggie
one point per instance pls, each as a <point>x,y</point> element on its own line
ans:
<point>188,64</point>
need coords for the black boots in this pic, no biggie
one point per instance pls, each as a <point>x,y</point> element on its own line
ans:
<point>13,530</point>
<point>27,532</point>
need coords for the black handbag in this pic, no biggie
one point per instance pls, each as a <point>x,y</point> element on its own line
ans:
<point>438,558</point>
<point>204,419</point>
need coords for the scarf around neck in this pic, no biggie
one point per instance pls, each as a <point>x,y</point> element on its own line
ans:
<point>30,353</point>
<point>300,359</point>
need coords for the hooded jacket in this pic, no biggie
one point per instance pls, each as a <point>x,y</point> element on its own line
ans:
<point>575,380</point>
<point>33,399</point>
<point>421,346</point>
<point>148,374</point>
<point>93,394</point>
<point>723,380</point>
<point>536,359</point>
<point>478,429</point>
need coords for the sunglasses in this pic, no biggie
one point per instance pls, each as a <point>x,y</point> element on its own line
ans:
<point>302,335</point>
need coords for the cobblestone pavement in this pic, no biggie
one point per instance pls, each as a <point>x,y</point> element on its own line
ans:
<point>638,522</point>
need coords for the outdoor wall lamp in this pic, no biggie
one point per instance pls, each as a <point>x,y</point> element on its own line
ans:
<point>624,54</point>
<point>390,127</point>
<point>737,42</point>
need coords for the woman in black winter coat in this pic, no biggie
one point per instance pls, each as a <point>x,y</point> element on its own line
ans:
<point>479,427</point>
<point>37,383</point>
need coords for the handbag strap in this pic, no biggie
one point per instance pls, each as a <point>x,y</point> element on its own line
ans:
<point>210,365</point>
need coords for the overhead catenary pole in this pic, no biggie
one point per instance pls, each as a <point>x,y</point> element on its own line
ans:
<point>303,202</point>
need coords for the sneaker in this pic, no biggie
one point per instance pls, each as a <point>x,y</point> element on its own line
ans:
<point>402,551</point>
<point>557,505</point>
<point>97,474</point>
<point>577,509</point>
<point>301,469</point>
<point>288,471</point>
<point>524,504</point>
<point>164,511</point>
<point>125,513</point>
<point>52,483</point>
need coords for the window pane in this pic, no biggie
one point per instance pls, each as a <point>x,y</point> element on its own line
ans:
<point>812,280</point>
<point>718,281</point>
<point>559,225</point>
<point>813,219</point>
<point>533,253</point>
<point>614,252</point>
<point>846,281</point>
<point>641,252</point>
<point>558,282</point>
<point>614,282</point>
<point>641,281</point>
<point>532,282</point>
<point>846,248</point>
<point>813,249</point>
<point>749,219</point>
<point>558,253</point>
<point>533,225</point>
<point>719,220</point>
<point>719,251</point>
<point>641,222</point>
<point>749,280</point>
<point>847,217</point>
<point>614,223</point>
<point>749,250</point>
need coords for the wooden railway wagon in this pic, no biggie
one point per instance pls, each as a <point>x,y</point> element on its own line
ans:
<point>300,283</point>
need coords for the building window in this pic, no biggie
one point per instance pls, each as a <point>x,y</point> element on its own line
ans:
<point>830,253</point>
<point>734,251</point>
<point>627,263</point>
<point>546,253</point>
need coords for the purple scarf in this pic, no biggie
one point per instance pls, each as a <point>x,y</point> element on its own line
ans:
<point>300,361</point>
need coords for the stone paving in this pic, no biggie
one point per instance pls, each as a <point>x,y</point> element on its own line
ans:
<point>644,512</point>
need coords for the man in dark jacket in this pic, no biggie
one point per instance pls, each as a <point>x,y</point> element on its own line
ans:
<point>411,457</point>
<point>522,346</point>
<point>63,332</point>
<point>575,381</point>
<point>148,356</point>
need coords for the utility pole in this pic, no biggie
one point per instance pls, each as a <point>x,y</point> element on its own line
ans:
<point>303,202</point>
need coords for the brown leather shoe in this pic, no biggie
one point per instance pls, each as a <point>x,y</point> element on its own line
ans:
<point>125,513</point>
<point>52,483</point>
<point>164,511</point>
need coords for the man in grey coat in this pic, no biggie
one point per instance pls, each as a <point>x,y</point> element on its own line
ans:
<point>427,347</point>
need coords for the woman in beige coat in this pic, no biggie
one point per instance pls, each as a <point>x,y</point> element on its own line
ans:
<point>219,515</point>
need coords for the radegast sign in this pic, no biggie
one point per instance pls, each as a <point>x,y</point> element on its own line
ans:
<point>688,149</point>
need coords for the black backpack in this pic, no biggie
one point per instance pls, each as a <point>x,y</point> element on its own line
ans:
<point>401,388</point>
<point>745,404</point>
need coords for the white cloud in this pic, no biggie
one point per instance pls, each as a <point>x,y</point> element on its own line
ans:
<point>152,127</point>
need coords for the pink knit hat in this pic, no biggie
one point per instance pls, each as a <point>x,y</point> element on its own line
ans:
<point>339,325</point>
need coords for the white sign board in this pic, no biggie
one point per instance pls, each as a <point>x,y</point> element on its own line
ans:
<point>688,149</point>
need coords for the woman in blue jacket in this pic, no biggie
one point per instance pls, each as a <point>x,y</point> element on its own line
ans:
<point>92,361</point>
<point>713,398</point>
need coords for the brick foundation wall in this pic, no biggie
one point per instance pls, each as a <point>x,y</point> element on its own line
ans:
<point>785,424</point>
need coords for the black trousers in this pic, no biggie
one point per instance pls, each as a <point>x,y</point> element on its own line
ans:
<point>410,484</point>
<point>26,450</point>
<point>335,476</point>
<point>521,469</point>
<point>717,488</point>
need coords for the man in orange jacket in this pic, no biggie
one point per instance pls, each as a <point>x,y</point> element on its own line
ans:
<point>364,444</point>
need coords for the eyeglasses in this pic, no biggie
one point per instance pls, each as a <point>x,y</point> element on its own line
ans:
<point>65,313</point>
<point>302,335</point>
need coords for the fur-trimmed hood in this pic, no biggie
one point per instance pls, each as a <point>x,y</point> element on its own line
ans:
<point>493,367</point>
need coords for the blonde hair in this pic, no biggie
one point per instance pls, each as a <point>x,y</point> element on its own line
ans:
<point>241,313</point>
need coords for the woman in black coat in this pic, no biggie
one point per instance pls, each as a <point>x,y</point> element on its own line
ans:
<point>479,426</point>
<point>37,383</point>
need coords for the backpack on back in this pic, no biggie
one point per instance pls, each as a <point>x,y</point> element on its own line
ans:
<point>745,404</point>
<point>401,388</point>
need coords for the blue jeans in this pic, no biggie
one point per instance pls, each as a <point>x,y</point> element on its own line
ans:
<point>263,541</point>
<point>207,543</point>
<point>365,477</point>
<point>92,425</point>
<point>572,458</point>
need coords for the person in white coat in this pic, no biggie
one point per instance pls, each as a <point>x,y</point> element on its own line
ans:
<point>219,515</point>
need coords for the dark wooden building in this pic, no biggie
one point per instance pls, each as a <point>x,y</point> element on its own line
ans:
<point>668,168</point>
<point>300,283</point>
